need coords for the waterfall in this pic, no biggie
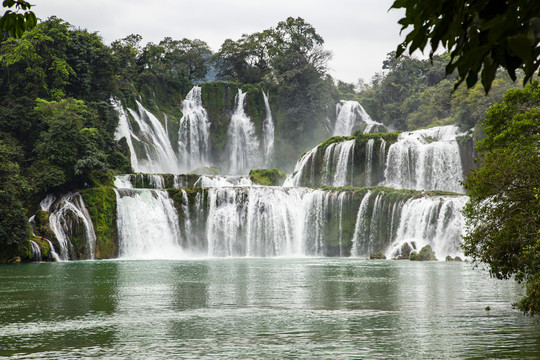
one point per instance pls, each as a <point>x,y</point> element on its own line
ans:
<point>360,228</point>
<point>433,221</point>
<point>52,251</point>
<point>71,224</point>
<point>194,132</point>
<point>147,225</point>
<point>243,145</point>
<point>348,114</point>
<point>338,163</point>
<point>425,160</point>
<point>304,172</point>
<point>36,250</point>
<point>369,162</point>
<point>150,148</point>
<point>268,132</point>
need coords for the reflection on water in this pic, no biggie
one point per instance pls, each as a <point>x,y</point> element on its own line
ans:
<point>260,308</point>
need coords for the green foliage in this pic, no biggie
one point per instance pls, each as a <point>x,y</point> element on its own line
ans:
<point>267,177</point>
<point>481,36</point>
<point>414,94</point>
<point>14,228</point>
<point>503,212</point>
<point>101,205</point>
<point>17,23</point>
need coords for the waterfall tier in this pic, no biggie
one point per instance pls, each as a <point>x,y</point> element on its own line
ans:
<point>428,159</point>
<point>271,221</point>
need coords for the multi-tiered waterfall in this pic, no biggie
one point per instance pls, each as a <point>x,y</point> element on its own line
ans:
<point>178,216</point>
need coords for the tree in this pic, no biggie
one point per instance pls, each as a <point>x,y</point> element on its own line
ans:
<point>17,23</point>
<point>503,211</point>
<point>14,226</point>
<point>480,35</point>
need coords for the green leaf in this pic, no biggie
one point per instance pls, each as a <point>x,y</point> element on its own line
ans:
<point>520,46</point>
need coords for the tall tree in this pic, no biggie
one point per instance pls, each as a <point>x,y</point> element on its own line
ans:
<point>503,212</point>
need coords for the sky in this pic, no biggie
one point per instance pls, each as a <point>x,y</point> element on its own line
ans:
<point>359,33</point>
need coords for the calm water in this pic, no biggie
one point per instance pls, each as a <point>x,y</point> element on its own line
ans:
<point>260,308</point>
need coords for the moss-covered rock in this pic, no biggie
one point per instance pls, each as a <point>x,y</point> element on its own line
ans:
<point>377,256</point>
<point>425,254</point>
<point>267,177</point>
<point>101,205</point>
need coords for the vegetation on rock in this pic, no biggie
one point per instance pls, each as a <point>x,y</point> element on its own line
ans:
<point>267,177</point>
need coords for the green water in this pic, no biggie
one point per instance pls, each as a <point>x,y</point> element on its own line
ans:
<point>260,308</point>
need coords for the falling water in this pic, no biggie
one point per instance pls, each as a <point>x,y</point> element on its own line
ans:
<point>268,133</point>
<point>194,132</point>
<point>369,162</point>
<point>36,250</point>
<point>150,147</point>
<point>147,225</point>
<point>348,115</point>
<point>338,163</point>
<point>243,145</point>
<point>431,221</point>
<point>426,160</point>
<point>360,228</point>
<point>69,218</point>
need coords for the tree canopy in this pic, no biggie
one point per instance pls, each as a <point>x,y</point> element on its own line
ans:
<point>503,212</point>
<point>481,36</point>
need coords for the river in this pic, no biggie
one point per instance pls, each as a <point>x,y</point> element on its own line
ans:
<point>254,308</point>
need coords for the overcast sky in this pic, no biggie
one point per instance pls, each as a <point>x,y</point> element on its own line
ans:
<point>359,33</point>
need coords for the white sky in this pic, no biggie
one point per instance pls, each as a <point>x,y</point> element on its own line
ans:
<point>359,33</point>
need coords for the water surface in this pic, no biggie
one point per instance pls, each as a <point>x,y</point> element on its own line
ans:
<point>260,308</point>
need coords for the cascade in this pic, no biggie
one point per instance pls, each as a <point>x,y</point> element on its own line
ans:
<point>36,250</point>
<point>223,216</point>
<point>430,221</point>
<point>268,132</point>
<point>272,221</point>
<point>426,159</point>
<point>369,161</point>
<point>54,254</point>
<point>348,114</point>
<point>147,225</point>
<point>194,132</point>
<point>71,223</point>
<point>338,163</point>
<point>150,147</point>
<point>243,145</point>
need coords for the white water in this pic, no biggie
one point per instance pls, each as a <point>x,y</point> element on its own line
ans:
<point>304,168</point>
<point>68,215</point>
<point>338,163</point>
<point>431,221</point>
<point>274,221</point>
<point>369,162</point>
<point>53,252</point>
<point>36,250</point>
<point>194,133</point>
<point>348,115</point>
<point>243,145</point>
<point>425,160</point>
<point>147,225</point>
<point>156,154</point>
<point>360,228</point>
<point>268,133</point>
